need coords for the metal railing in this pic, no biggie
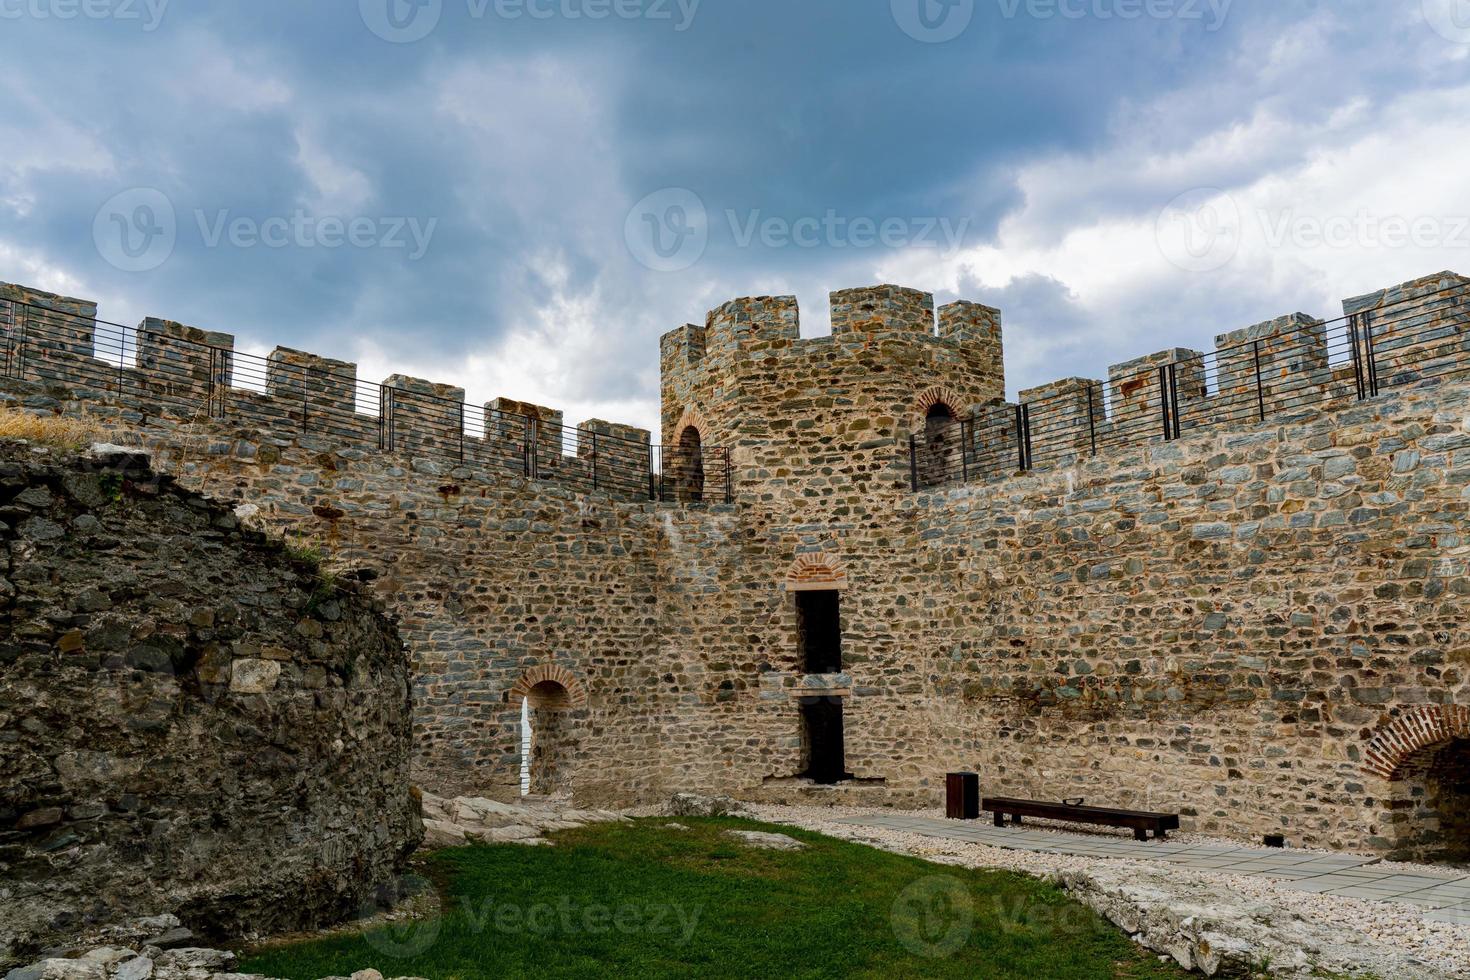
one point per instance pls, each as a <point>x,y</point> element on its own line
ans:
<point>1292,369</point>
<point>155,372</point>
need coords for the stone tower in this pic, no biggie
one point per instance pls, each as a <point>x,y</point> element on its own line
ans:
<point>820,679</point>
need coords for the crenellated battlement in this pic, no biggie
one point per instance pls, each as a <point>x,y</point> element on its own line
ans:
<point>1278,369</point>
<point>54,350</point>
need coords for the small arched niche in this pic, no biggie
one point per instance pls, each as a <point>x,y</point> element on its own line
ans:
<point>689,465</point>
<point>553,715</point>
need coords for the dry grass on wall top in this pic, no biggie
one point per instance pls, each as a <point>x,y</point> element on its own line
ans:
<point>57,431</point>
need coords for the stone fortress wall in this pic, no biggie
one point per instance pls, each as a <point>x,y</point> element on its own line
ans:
<point>192,720</point>
<point>1256,622</point>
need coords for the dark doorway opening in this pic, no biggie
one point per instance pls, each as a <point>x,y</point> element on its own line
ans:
<point>1433,805</point>
<point>689,465</point>
<point>821,736</point>
<point>939,433</point>
<point>819,620</point>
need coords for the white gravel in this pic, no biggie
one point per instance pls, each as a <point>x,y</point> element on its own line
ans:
<point>1395,925</point>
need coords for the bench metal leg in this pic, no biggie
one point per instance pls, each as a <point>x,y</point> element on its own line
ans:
<point>1140,834</point>
<point>1161,835</point>
<point>1016,820</point>
<point>1000,819</point>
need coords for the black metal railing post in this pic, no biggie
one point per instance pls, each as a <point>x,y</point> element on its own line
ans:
<point>594,461</point>
<point>1023,437</point>
<point>1356,347</point>
<point>1260,389</point>
<point>1174,398</point>
<point>1369,357</point>
<point>1164,399</point>
<point>729,478</point>
<point>1092,418</point>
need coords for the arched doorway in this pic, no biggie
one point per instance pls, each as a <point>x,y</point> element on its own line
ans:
<point>941,442</point>
<point>690,465</point>
<point>548,743</point>
<point>1424,754</point>
<point>553,714</point>
<point>1431,804</point>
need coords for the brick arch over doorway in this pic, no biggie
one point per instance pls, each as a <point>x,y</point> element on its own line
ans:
<point>541,674</point>
<point>938,395</point>
<point>816,572</point>
<point>1395,743</point>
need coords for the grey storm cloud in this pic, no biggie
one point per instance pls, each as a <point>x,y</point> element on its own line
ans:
<point>353,177</point>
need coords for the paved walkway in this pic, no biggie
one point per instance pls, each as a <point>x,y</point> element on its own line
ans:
<point>1446,897</point>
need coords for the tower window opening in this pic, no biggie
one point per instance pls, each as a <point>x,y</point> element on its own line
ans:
<point>819,622</point>
<point>689,466</point>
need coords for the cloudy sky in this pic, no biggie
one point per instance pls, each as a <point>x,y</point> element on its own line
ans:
<point>519,196</point>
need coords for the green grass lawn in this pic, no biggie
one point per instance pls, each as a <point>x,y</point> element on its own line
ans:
<point>640,900</point>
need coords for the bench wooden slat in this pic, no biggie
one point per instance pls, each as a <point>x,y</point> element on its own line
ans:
<point>1139,821</point>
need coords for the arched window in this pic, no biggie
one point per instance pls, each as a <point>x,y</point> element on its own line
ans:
<point>690,465</point>
<point>941,441</point>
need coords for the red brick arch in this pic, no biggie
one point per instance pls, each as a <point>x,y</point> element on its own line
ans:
<point>818,571</point>
<point>692,416</point>
<point>933,396</point>
<point>541,674</point>
<point>1416,729</point>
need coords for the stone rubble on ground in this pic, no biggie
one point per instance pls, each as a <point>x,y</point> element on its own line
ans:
<point>769,842</point>
<point>694,805</point>
<point>148,961</point>
<point>472,820</point>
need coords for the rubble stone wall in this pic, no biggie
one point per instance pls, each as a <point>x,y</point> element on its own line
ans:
<point>192,720</point>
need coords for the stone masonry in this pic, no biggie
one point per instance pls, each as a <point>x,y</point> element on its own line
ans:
<point>1258,623</point>
<point>192,720</point>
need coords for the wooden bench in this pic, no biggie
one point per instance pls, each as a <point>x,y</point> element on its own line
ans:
<point>1139,821</point>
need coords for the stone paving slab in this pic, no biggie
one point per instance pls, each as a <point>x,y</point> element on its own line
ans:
<point>1445,898</point>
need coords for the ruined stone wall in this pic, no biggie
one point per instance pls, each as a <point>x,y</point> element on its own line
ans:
<point>191,721</point>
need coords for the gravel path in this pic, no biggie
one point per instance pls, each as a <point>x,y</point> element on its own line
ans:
<point>1400,927</point>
